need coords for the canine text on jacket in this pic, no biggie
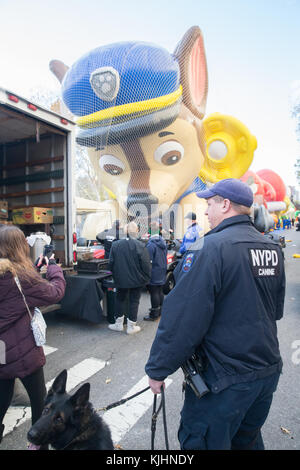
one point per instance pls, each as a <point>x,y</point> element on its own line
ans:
<point>68,422</point>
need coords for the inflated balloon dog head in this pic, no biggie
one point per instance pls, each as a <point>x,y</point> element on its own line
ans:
<point>140,113</point>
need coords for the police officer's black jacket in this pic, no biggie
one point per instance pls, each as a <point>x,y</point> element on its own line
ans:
<point>229,293</point>
<point>130,264</point>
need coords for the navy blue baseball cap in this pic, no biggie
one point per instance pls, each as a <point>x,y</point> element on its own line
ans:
<point>232,189</point>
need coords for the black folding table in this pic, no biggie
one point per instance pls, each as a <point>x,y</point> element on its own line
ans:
<point>83,295</point>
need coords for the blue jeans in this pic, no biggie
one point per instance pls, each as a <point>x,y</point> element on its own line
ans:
<point>231,419</point>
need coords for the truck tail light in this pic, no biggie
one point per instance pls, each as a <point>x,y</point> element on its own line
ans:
<point>13,98</point>
<point>74,237</point>
<point>31,106</point>
<point>74,256</point>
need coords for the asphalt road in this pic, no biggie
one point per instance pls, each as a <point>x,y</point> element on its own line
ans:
<point>114,365</point>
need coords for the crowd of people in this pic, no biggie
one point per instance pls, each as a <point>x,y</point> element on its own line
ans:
<point>287,222</point>
<point>229,294</point>
<point>233,336</point>
<point>136,265</point>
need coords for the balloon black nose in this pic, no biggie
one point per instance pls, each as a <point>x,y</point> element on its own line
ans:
<point>143,199</point>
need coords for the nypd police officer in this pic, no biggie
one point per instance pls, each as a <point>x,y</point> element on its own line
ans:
<point>228,296</point>
<point>192,233</point>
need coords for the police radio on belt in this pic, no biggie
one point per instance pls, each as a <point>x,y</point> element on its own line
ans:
<point>192,374</point>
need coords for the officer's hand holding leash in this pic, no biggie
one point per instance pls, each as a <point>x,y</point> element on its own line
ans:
<point>155,385</point>
<point>192,370</point>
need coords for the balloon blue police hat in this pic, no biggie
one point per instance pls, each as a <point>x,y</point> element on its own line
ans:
<point>122,91</point>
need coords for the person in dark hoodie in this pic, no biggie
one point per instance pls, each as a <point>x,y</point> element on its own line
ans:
<point>157,249</point>
<point>22,358</point>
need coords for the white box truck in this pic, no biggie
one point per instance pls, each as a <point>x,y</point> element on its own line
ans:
<point>37,149</point>
<point>37,169</point>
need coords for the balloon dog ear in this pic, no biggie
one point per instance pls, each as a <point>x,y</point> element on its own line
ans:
<point>190,55</point>
<point>59,69</point>
<point>229,148</point>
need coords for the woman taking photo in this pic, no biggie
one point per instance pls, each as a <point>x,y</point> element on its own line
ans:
<point>23,359</point>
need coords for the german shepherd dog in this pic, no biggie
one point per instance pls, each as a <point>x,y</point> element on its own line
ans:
<point>69,422</point>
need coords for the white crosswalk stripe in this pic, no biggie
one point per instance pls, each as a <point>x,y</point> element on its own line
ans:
<point>121,419</point>
<point>48,350</point>
<point>81,372</point>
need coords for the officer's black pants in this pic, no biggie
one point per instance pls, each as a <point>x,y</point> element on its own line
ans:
<point>231,419</point>
<point>134,300</point>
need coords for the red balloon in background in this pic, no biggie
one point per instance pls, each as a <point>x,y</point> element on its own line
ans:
<point>275,180</point>
<point>269,191</point>
<point>257,180</point>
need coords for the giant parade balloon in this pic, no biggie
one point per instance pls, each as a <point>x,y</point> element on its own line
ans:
<point>140,113</point>
<point>276,181</point>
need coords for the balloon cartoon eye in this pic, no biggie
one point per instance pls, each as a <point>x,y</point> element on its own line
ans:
<point>169,153</point>
<point>111,165</point>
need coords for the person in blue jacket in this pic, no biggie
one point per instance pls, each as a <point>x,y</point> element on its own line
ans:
<point>157,249</point>
<point>229,293</point>
<point>192,233</point>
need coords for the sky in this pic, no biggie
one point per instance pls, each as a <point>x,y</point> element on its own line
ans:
<point>252,49</point>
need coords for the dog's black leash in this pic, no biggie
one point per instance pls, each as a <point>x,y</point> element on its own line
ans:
<point>154,418</point>
<point>154,413</point>
<point>121,402</point>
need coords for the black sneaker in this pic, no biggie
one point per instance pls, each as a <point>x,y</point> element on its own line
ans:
<point>153,314</point>
<point>150,318</point>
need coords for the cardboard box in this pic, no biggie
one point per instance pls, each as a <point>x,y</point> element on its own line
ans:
<point>32,215</point>
<point>3,210</point>
<point>6,222</point>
